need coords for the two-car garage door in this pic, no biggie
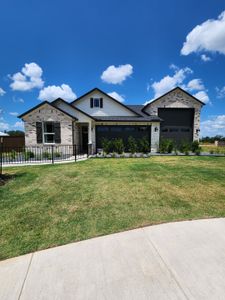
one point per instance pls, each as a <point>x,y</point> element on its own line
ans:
<point>177,124</point>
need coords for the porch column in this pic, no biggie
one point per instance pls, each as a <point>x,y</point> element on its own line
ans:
<point>89,138</point>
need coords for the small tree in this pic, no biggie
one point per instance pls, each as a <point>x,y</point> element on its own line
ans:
<point>132,145</point>
<point>166,146</point>
<point>118,146</point>
<point>185,147</point>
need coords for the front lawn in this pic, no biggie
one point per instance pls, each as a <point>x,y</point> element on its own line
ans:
<point>45,206</point>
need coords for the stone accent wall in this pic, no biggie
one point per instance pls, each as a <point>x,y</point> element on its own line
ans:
<point>178,99</point>
<point>43,114</point>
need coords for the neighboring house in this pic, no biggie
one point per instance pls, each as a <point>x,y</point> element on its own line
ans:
<point>96,115</point>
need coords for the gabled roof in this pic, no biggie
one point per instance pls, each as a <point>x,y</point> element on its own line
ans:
<point>98,90</point>
<point>74,107</point>
<point>176,88</point>
<point>43,103</point>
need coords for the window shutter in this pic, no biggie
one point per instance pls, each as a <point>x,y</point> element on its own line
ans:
<point>101,102</point>
<point>39,132</point>
<point>91,102</point>
<point>57,130</point>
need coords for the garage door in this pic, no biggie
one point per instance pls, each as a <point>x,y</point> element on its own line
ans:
<point>177,124</point>
<point>121,131</point>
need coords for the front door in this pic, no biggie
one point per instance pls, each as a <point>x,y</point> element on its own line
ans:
<point>84,144</point>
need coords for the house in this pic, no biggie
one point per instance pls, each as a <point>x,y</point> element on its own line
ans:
<point>96,115</point>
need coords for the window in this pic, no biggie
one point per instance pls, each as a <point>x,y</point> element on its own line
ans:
<point>173,129</point>
<point>48,133</point>
<point>185,129</point>
<point>129,128</point>
<point>142,128</point>
<point>164,129</point>
<point>96,102</point>
<point>116,129</point>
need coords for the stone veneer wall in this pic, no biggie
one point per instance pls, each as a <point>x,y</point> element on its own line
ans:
<point>178,99</point>
<point>47,113</point>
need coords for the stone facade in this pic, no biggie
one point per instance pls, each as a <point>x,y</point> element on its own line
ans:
<point>43,114</point>
<point>178,99</point>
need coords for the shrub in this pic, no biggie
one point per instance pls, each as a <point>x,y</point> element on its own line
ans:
<point>166,146</point>
<point>184,147</point>
<point>118,146</point>
<point>57,154</point>
<point>198,151</point>
<point>46,155</point>
<point>144,145</point>
<point>106,145</point>
<point>28,154</point>
<point>132,145</point>
<point>194,146</point>
<point>12,154</point>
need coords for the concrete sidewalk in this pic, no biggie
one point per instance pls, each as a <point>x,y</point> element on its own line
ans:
<point>183,260</point>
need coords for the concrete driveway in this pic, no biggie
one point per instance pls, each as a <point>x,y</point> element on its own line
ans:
<point>183,260</point>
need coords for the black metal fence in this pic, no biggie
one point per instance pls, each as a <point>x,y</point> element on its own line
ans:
<point>41,154</point>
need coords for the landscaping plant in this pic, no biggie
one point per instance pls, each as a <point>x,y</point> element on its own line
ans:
<point>118,146</point>
<point>132,145</point>
<point>144,145</point>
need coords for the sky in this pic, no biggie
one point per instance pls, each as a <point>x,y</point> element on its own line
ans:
<point>133,50</point>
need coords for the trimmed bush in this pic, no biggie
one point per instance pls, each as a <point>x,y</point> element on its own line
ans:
<point>185,147</point>
<point>195,146</point>
<point>118,146</point>
<point>106,145</point>
<point>144,145</point>
<point>28,155</point>
<point>166,146</point>
<point>132,145</point>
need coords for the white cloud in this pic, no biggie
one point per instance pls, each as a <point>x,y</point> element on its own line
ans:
<point>220,92</point>
<point>178,78</point>
<point>205,58</point>
<point>17,100</point>
<point>19,124</point>
<point>4,126</point>
<point>14,114</point>
<point>28,79</point>
<point>117,75</point>
<point>2,92</point>
<point>215,125</point>
<point>53,92</point>
<point>168,82</point>
<point>195,84</point>
<point>208,36</point>
<point>202,96</point>
<point>117,96</point>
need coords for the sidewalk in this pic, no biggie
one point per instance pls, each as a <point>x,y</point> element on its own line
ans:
<point>182,260</point>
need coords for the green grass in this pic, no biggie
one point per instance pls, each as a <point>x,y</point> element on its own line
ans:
<point>45,206</point>
<point>212,147</point>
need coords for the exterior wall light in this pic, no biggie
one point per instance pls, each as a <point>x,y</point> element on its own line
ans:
<point>197,130</point>
<point>156,129</point>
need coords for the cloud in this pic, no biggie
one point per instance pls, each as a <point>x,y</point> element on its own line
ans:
<point>19,124</point>
<point>14,114</point>
<point>4,126</point>
<point>220,92</point>
<point>208,36</point>
<point>168,82</point>
<point>205,58</point>
<point>53,92</point>
<point>17,100</point>
<point>195,84</point>
<point>28,78</point>
<point>117,96</point>
<point>2,92</point>
<point>215,125</point>
<point>202,96</point>
<point>179,78</point>
<point>116,75</point>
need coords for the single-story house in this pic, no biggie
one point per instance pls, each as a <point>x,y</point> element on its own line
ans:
<point>96,115</point>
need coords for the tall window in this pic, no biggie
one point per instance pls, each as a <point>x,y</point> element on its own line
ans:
<point>96,102</point>
<point>49,132</point>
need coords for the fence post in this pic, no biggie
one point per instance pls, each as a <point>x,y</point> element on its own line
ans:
<point>75,152</point>
<point>52,154</point>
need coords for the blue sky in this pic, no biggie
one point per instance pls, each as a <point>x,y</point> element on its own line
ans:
<point>135,50</point>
